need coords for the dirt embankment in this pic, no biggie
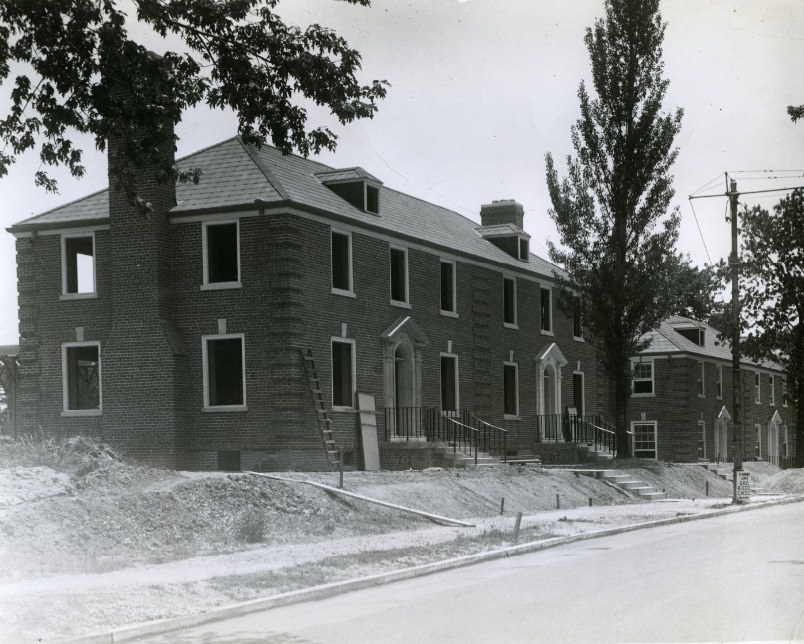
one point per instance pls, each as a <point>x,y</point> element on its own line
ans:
<point>89,542</point>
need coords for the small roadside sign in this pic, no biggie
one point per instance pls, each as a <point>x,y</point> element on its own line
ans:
<point>743,485</point>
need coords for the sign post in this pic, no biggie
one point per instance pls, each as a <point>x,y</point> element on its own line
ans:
<point>743,485</point>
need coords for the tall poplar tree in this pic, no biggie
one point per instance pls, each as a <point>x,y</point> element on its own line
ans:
<point>611,210</point>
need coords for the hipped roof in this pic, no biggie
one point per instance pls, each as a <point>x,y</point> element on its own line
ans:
<point>238,177</point>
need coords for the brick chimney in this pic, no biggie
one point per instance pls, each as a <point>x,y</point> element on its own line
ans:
<point>143,362</point>
<point>503,211</point>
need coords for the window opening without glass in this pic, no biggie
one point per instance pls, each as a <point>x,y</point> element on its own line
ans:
<point>448,287</point>
<point>399,275</point>
<point>222,261</point>
<point>82,377</point>
<point>509,301</point>
<point>79,265</point>
<point>224,371</point>
<point>341,262</point>
<point>342,374</point>
<point>449,383</point>
<point>546,310</point>
<point>511,390</point>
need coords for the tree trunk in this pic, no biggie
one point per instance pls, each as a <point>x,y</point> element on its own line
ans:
<point>622,390</point>
<point>798,400</point>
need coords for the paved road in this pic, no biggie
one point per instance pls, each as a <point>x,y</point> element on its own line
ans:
<point>733,578</point>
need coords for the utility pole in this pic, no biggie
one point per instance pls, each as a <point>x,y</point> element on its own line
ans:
<point>736,385</point>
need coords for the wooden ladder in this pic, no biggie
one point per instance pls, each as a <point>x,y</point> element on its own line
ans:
<point>324,421</point>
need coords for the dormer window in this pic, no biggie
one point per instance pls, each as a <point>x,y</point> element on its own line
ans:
<point>355,186</point>
<point>524,249</point>
<point>693,334</point>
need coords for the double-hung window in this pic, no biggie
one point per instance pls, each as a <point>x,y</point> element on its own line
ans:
<point>757,388</point>
<point>719,383</point>
<point>78,265</point>
<point>224,358</point>
<point>81,378</point>
<point>771,391</point>
<point>643,380</point>
<point>342,280</point>
<point>221,251</point>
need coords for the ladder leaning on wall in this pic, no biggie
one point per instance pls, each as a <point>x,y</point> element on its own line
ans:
<point>324,421</point>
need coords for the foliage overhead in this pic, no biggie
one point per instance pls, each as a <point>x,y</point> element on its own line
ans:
<point>796,112</point>
<point>79,70</point>
<point>611,210</point>
<point>772,292</point>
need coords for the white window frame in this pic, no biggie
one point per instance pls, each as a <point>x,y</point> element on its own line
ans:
<point>549,331</point>
<point>520,240</point>
<point>515,323</point>
<point>655,436</point>
<point>701,379</point>
<point>515,365</point>
<point>353,352</point>
<point>205,366</point>
<point>454,312</point>
<point>66,411</point>
<point>784,391</point>
<point>757,388</point>
<point>455,363</point>
<point>719,382</point>
<point>635,379</point>
<point>406,302</point>
<point>576,311</point>
<point>350,292</point>
<point>771,390</point>
<point>206,285</point>
<point>78,295</point>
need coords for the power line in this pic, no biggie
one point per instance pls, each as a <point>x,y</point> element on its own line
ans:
<point>749,192</point>
<point>700,232</point>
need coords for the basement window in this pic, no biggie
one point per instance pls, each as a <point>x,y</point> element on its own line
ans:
<point>81,378</point>
<point>224,358</point>
<point>78,265</point>
<point>221,250</point>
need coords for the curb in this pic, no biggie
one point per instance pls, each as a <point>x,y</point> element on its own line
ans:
<point>134,631</point>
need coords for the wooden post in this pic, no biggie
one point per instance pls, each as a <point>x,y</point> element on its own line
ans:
<point>502,505</point>
<point>516,526</point>
<point>558,502</point>
<point>340,466</point>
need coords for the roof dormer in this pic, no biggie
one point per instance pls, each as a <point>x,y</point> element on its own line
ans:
<point>691,330</point>
<point>355,186</point>
<point>501,224</point>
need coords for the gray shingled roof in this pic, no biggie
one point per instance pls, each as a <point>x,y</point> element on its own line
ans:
<point>235,176</point>
<point>666,340</point>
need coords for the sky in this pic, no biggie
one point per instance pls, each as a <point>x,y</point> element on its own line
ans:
<point>481,90</point>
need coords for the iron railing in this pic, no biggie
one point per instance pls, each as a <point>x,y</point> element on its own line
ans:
<point>460,429</point>
<point>592,430</point>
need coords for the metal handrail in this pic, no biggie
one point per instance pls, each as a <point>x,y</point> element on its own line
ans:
<point>474,433</point>
<point>496,432</point>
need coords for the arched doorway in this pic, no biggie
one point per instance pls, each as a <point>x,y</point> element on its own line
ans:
<point>402,387</point>
<point>550,361</point>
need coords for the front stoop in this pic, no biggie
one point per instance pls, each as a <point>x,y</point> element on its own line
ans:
<point>596,456</point>
<point>726,472</point>
<point>462,459</point>
<point>627,483</point>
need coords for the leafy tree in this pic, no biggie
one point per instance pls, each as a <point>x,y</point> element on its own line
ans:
<point>796,112</point>
<point>611,210</point>
<point>772,293</point>
<point>83,72</point>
